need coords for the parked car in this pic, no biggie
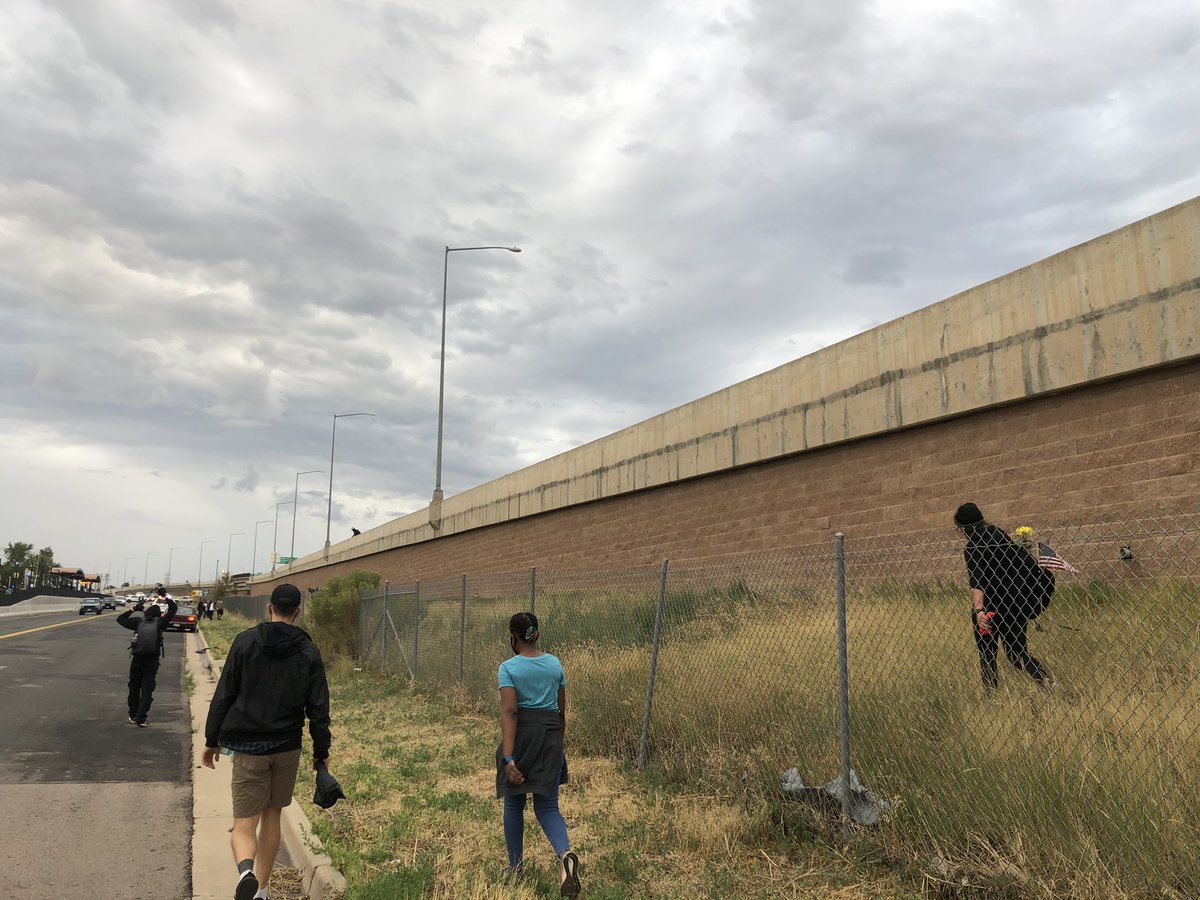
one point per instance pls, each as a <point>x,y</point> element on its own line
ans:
<point>90,605</point>
<point>185,620</point>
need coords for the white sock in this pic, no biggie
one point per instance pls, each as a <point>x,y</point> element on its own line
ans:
<point>261,895</point>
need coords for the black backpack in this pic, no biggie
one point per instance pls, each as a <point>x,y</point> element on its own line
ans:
<point>1042,590</point>
<point>149,639</point>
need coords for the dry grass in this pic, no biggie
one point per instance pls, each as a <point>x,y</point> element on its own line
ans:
<point>422,819</point>
<point>1082,792</point>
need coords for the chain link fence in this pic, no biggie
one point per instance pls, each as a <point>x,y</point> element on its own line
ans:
<point>1052,743</point>
<point>253,608</point>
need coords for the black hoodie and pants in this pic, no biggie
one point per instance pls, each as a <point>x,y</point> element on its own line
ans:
<point>143,668</point>
<point>1013,585</point>
<point>273,679</point>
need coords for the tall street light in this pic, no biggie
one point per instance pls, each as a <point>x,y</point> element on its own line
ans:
<point>125,571</point>
<point>437,487</point>
<point>229,551</point>
<point>254,553</point>
<point>295,499</point>
<point>146,574</point>
<point>111,566</point>
<point>275,543</point>
<point>170,559</point>
<point>200,568</point>
<point>332,445</point>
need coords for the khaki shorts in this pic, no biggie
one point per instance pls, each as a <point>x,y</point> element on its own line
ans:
<point>262,781</point>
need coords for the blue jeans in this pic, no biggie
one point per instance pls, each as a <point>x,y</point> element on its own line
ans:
<point>546,809</point>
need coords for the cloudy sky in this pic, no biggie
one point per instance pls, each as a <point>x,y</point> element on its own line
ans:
<point>222,222</point>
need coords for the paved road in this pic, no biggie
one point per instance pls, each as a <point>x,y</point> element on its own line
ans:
<point>90,806</point>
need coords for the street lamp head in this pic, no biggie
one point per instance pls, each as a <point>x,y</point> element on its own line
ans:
<point>514,249</point>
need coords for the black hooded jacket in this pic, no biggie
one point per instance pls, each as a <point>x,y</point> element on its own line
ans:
<point>128,620</point>
<point>1013,584</point>
<point>272,680</point>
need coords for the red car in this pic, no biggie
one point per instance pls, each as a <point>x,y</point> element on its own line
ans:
<point>185,620</point>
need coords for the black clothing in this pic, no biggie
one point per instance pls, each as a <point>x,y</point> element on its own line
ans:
<point>143,677</point>
<point>1014,633</point>
<point>1013,586</point>
<point>143,670</point>
<point>1010,578</point>
<point>538,749</point>
<point>272,680</point>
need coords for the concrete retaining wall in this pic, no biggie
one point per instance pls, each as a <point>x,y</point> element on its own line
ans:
<point>1122,304</point>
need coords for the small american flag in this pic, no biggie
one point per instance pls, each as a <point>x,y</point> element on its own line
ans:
<point>1048,559</point>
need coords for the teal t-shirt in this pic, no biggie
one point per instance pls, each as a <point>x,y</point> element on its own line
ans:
<point>536,679</point>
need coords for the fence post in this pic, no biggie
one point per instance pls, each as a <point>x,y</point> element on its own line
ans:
<point>416,631</point>
<point>533,589</point>
<point>385,618</point>
<point>462,629</point>
<point>843,681</point>
<point>643,745</point>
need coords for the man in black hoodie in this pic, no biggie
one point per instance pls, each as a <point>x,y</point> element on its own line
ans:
<point>1006,588</point>
<point>272,680</point>
<point>146,652</point>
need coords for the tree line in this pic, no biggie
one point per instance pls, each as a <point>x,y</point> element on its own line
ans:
<point>23,567</point>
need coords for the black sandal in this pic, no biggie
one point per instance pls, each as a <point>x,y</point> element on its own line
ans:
<point>570,865</point>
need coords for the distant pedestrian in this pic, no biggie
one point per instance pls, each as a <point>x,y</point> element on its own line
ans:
<point>220,604</point>
<point>272,680</point>
<point>146,651</point>
<point>530,758</point>
<point>1007,589</point>
<point>208,609</point>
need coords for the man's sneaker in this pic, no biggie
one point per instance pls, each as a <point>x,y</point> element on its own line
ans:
<point>132,720</point>
<point>142,724</point>
<point>247,887</point>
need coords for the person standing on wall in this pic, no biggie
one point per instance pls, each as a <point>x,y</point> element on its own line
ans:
<point>272,680</point>
<point>530,758</point>
<point>1006,590</point>
<point>146,651</point>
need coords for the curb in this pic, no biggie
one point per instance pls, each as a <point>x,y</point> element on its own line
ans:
<point>320,880</point>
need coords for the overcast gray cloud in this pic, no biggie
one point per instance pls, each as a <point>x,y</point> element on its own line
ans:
<point>221,223</point>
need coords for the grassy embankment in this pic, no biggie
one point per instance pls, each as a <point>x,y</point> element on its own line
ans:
<point>1075,793</point>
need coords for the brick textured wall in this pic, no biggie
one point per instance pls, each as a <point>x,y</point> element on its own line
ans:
<point>1100,453</point>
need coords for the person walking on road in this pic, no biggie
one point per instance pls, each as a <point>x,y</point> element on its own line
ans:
<point>146,651</point>
<point>1007,587</point>
<point>272,680</point>
<point>220,605</point>
<point>530,758</point>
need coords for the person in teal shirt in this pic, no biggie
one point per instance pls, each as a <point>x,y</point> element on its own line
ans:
<point>530,758</point>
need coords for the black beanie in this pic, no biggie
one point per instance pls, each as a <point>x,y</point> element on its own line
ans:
<point>967,515</point>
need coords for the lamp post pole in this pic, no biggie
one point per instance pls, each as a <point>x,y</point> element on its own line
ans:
<point>125,570</point>
<point>229,552</point>
<point>200,568</point>
<point>332,446</point>
<point>254,553</point>
<point>170,560</point>
<point>146,573</point>
<point>437,486</point>
<point>295,503</point>
<point>275,543</point>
